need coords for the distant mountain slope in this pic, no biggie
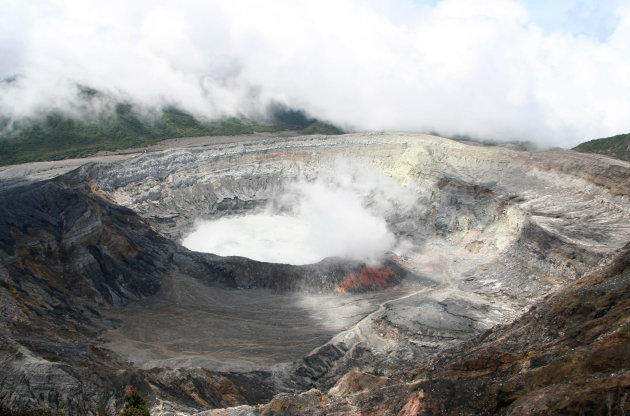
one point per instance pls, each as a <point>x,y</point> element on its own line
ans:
<point>57,136</point>
<point>615,146</point>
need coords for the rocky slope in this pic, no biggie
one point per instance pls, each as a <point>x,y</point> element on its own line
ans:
<point>68,256</point>
<point>567,355</point>
<point>508,285</point>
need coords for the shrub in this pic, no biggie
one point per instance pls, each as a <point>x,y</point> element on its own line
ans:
<point>135,405</point>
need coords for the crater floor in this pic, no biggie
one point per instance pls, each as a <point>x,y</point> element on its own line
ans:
<point>235,330</point>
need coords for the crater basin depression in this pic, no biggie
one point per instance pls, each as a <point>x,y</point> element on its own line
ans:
<point>258,265</point>
<point>473,220</point>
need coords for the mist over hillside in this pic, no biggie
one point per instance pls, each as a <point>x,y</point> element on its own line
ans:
<point>97,122</point>
<point>493,70</point>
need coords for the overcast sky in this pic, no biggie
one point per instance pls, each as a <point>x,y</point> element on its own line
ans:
<point>554,72</point>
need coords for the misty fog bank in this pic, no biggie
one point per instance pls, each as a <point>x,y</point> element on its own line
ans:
<point>481,69</point>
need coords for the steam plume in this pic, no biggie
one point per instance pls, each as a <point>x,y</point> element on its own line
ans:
<point>342,213</point>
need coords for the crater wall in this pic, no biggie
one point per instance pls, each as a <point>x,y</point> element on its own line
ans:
<point>92,265</point>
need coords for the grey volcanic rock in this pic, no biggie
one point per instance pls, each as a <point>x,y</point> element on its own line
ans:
<point>97,292</point>
<point>567,355</point>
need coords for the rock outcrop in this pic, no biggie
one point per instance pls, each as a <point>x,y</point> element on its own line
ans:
<point>507,291</point>
<point>567,355</point>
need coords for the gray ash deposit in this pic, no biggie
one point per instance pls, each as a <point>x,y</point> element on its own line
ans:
<point>415,253</point>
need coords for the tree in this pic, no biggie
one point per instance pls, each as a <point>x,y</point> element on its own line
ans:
<point>135,405</point>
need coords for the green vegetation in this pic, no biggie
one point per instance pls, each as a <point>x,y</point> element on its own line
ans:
<point>57,136</point>
<point>317,127</point>
<point>615,146</point>
<point>521,144</point>
<point>135,405</point>
<point>297,120</point>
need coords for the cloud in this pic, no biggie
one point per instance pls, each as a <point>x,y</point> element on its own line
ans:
<point>481,68</point>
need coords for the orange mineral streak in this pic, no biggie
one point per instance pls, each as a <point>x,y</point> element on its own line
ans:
<point>368,278</point>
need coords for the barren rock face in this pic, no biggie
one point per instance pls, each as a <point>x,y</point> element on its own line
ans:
<point>100,292</point>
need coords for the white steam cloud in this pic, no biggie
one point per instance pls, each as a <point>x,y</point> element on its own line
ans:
<point>339,214</point>
<point>481,68</point>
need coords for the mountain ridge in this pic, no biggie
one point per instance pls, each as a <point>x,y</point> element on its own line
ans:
<point>615,146</point>
<point>56,135</point>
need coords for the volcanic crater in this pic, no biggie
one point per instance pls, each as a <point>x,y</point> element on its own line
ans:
<point>416,248</point>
